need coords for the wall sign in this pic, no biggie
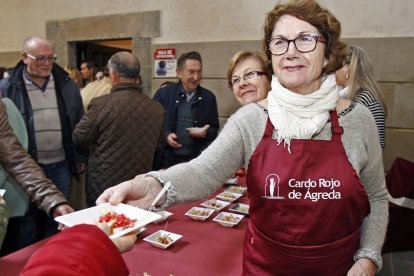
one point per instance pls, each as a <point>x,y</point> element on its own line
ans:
<point>165,62</point>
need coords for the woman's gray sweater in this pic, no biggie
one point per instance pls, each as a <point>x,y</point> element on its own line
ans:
<point>243,131</point>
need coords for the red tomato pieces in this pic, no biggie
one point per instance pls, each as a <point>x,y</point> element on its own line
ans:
<point>117,221</point>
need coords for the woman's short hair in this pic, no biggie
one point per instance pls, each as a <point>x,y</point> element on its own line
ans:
<point>322,19</point>
<point>243,55</point>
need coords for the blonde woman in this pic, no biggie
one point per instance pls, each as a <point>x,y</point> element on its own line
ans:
<point>359,85</point>
<point>75,75</point>
<point>248,77</point>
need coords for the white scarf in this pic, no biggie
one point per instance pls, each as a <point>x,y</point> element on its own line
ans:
<point>296,116</point>
<point>343,92</point>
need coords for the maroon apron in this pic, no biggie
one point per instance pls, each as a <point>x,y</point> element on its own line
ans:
<point>306,207</point>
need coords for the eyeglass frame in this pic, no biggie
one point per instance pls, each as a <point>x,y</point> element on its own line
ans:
<point>257,74</point>
<point>316,37</point>
<point>42,59</point>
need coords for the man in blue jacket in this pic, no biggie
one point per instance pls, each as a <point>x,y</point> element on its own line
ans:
<point>51,106</point>
<point>191,121</point>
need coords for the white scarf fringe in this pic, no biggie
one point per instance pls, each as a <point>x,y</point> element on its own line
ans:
<point>298,116</point>
<point>344,92</point>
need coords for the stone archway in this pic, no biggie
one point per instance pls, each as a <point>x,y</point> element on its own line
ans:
<point>140,27</point>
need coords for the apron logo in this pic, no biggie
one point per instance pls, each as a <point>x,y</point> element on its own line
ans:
<point>272,187</point>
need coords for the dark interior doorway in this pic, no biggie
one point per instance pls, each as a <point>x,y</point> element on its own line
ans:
<point>100,51</point>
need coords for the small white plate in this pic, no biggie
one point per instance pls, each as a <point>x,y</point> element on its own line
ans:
<point>233,181</point>
<point>229,196</point>
<point>228,219</point>
<point>91,216</point>
<point>164,214</point>
<point>198,213</point>
<point>196,129</point>
<point>237,189</point>
<point>215,204</point>
<point>240,208</point>
<point>156,238</point>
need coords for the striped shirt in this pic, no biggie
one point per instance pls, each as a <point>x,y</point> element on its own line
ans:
<point>367,98</point>
<point>46,121</point>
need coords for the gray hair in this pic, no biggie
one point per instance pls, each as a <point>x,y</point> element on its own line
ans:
<point>125,65</point>
<point>189,55</point>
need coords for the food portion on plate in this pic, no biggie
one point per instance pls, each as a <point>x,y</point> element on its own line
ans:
<point>198,213</point>
<point>116,222</point>
<point>228,196</point>
<point>163,239</point>
<point>228,219</point>
<point>94,214</point>
<point>236,189</point>
<point>215,204</point>
<point>240,208</point>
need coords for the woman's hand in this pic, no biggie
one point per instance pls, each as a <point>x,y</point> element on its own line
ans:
<point>140,192</point>
<point>124,243</point>
<point>362,267</point>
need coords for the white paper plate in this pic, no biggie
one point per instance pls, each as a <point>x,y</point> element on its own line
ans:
<point>154,238</point>
<point>164,215</point>
<point>236,189</point>
<point>229,196</point>
<point>195,210</point>
<point>233,181</point>
<point>196,129</point>
<point>215,204</point>
<point>91,216</point>
<point>241,208</point>
<point>221,218</point>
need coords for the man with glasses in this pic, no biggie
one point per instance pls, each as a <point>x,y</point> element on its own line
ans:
<point>51,106</point>
<point>191,121</point>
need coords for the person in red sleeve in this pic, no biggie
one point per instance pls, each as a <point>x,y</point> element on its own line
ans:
<point>81,250</point>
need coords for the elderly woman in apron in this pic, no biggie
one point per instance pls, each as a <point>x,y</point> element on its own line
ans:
<point>318,202</point>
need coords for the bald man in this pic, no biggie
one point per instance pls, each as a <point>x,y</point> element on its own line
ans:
<point>51,106</point>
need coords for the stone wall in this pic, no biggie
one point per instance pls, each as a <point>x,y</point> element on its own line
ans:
<point>392,59</point>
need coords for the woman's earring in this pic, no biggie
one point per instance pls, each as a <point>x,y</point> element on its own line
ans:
<point>347,76</point>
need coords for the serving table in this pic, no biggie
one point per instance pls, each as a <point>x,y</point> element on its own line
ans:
<point>206,248</point>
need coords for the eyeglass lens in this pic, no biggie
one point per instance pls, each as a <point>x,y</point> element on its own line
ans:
<point>42,58</point>
<point>246,76</point>
<point>303,43</point>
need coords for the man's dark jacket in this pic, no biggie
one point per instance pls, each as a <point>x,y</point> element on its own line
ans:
<point>121,131</point>
<point>204,111</point>
<point>69,105</point>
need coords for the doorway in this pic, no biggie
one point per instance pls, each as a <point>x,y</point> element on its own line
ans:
<point>100,51</point>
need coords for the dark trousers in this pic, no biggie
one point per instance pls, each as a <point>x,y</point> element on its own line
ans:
<point>61,176</point>
<point>36,225</point>
<point>22,231</point>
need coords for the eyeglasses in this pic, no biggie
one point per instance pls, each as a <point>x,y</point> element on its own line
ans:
<point>233,83</point>
<point>42,59</point>
<point>304,43</point>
